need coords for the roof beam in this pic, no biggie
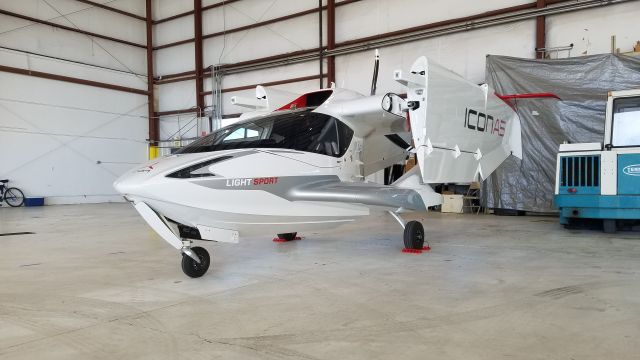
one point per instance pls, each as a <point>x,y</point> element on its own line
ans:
<point>191,12</point>
<point>49,76</point>
<point>109,8</point>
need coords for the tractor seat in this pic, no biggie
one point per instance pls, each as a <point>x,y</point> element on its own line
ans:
<point>4,181</point>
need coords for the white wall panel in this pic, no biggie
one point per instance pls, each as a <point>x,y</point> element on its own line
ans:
<point>65,68</point>
<point>234,16</point>
<point>43,39</point>
<point>175,59</point>
<point>248,12</point>
<point>177,95</point>
<point>41,10</point>
<point>165,8</point>
<point>104,22</point>
<point>174,30</point>
<point>64,153</point>
<point>590,30</point>
<point>287,7</point>
<point>264,41</point>
<point>137,7</point>
<point>372,17</point>
<point>78,15</point>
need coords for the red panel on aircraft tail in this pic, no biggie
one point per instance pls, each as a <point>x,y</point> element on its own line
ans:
<point>508,97</point>
<point>315,98</point>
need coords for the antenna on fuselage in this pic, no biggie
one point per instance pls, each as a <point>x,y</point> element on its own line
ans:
<point>376,65</point>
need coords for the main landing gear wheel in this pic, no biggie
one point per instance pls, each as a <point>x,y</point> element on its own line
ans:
<point>191,267</point>
<point>287,236</point>
<point>413,235</point>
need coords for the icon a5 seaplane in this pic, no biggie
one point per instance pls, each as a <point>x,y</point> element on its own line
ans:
<point>299,163</point>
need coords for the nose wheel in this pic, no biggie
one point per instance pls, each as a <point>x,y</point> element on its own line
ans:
<point>193,268</point>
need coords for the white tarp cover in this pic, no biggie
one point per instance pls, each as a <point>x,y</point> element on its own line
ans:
<point>582,83</point>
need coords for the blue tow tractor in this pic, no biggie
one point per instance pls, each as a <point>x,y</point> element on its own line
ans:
<point>602,180</point>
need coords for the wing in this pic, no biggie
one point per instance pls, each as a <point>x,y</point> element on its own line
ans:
<point>407,193</point>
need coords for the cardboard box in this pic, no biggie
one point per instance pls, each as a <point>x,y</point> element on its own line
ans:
<point>452,204</point>
<point>411,162</point>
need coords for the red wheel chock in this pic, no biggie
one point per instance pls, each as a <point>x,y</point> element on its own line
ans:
<point>416,251</point>
<point>281,240</point>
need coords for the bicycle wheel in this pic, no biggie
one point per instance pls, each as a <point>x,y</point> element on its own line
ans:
<point>14,197</point>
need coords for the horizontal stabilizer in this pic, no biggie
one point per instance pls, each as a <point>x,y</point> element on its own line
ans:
<point>249,102</point>
<point>371,194</point>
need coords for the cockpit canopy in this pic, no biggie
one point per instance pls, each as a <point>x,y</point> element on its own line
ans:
<point>302,130</point>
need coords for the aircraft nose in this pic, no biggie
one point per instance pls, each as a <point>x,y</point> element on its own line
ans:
<point>125,184</point>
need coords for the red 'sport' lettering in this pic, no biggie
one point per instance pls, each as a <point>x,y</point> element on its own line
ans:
<point>265,181</point>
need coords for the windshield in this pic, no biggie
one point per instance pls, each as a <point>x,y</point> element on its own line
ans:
<point>301,130</point>
<point>626,122</point>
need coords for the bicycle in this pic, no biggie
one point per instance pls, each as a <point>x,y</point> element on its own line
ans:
<point>11,195</point>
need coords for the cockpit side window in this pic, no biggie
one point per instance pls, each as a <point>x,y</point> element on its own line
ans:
<point>302,130</point>
<point>626,122</point>
<point>242,134</point>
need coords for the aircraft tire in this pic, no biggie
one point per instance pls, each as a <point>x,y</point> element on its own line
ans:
<point>414,235</point>
<point>287,236</point>
<point>191,268</point>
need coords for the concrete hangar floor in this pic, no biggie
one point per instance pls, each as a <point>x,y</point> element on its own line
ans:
<point>94,282</point>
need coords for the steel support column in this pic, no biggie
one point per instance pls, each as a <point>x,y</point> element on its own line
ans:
<point>320,43</point>
<point>154,131</point>
<point>197,21</point>
<point>331,40</point>
<point>540,30</point>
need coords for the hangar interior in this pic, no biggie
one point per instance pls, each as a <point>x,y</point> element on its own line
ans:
<point>93,89</point>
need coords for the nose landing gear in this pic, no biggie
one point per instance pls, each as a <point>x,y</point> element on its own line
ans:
<point>190,266</point>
